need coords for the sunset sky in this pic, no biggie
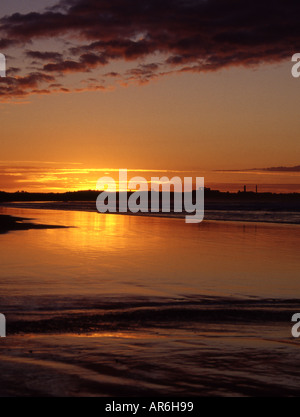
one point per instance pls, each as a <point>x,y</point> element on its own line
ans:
<point>183,87</point>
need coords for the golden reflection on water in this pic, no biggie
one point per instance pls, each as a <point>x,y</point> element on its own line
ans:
<point>115,254</point>
<point>116,335</point>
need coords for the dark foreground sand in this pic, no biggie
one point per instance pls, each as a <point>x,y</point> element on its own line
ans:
<point>10,223</point>
<point>164,363</point>
<point>211,348</point>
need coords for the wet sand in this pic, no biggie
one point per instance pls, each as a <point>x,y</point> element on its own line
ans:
<point>152,347</point>
<point>207,362</point>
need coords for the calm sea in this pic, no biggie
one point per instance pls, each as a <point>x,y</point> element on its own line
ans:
<point>135,306</point>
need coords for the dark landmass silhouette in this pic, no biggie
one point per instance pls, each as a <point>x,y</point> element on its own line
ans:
<point>214,200</point>
<point>11,223</point>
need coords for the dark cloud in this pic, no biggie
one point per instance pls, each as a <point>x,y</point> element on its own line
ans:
<point>143,73</point>
<point>87,62</point>
<point>6,43</point>
<point>187,35</point>
<point>272,169</point>
<point>11,71</point>
<point>44,56</point>
<point>22,86</point>
<point>283,169</point>
<point>112,74</point>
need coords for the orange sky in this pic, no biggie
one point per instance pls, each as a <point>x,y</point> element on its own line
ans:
<point>234,118</point>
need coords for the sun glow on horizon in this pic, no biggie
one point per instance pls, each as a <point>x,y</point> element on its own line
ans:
<point>53,177</point>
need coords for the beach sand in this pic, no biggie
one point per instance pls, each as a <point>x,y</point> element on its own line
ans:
<point>207,362</point>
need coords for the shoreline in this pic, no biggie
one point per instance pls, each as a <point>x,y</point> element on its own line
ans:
<point>234,215</point>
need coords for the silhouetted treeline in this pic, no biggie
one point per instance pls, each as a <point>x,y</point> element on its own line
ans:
<point>214,200</point>
<point>69,196</point>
